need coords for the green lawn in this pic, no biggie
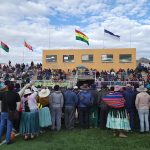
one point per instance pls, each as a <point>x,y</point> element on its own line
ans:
<point>92,139</point>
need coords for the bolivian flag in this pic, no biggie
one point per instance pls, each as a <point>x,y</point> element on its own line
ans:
<point>81,37</point>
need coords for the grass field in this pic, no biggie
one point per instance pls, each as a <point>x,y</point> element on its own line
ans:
<point>91,139</point>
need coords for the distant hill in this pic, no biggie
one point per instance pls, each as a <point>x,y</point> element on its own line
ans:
<point>143,60</point>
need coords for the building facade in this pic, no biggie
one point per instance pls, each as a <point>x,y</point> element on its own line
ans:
<point>100,59</point>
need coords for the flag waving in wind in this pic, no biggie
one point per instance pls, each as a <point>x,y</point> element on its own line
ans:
<point>112,35</point>
<point>28,46</point>
<point>81,36</point>
<point>4,46</point>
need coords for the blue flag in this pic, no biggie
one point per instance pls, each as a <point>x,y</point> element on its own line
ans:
<point>111,34</point>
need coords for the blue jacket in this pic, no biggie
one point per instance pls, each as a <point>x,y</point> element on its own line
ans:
<point>129,96</point>
<point>85,99</point>
<point>71,98</point>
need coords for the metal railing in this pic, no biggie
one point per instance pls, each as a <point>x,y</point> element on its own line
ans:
<point>86,75</point>
<point>99,84</point>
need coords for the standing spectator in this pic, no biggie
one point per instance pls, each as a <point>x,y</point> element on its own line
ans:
<point>129,96</point>
<point>94,107</point>
<point>44,112</point>
<point>117,117</point>
<point>3,88</point>
<point>56,105</point>
<point>103,108</point>
<point>70,100</point>
<point>76,90</point>
<point>9,63</point>
<point>142,103</point>
<point>29,123</point>
<point>84,105</point>
<point>9,103</point>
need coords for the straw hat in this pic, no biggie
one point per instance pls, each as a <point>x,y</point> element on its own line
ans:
<point>117,88</point>
<point>27,91</point>
<point>2,86</point>
<point>44,93</point>
<point>141,89</point>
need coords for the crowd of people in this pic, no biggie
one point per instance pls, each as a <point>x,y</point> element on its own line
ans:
<point>117,108</point>
<point>120,108</point>
<point>25,73</point>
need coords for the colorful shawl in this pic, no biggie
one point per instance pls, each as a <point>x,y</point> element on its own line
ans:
<point>114,100</point>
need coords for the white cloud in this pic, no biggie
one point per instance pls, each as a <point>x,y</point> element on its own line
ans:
<point>32,21</point>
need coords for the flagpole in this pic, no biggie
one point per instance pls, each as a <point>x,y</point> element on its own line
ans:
<point>23,53</point>
<point>103,39</point>
<point>130,38</point>
<point>49,37</point>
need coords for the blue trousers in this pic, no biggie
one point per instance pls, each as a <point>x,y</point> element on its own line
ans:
<point>4,120</point>
<point>132,118</point>
<point>56,118</point>
<point>143,115</point>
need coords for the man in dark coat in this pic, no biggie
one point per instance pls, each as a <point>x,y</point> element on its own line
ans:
<point>94,107</point>
<point>85,101</point>
<point>103,108</point>
<point>129,96</point>
<point>9,103</point>
<point>70,101</point>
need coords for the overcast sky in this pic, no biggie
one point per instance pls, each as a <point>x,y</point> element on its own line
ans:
<point>50,24</point>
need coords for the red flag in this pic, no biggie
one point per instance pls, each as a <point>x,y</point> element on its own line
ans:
<point>4,46</point>
<point>28,46</point>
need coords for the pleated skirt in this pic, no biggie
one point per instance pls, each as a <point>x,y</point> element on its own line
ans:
<point>29,123</point>
<point>117,119</point>
<point>45,117</point>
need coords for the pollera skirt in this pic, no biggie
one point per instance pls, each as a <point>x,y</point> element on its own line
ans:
<point>29,123</point>
<point>118,119</point>
<point>45,117</point>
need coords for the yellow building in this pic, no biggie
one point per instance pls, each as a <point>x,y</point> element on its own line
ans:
<point>100,59</point>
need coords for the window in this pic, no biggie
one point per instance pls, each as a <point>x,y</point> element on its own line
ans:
<point>87,58</point>
<point>107,58</point>
<point>68,58</point>
<point>125,58</point>
<point>51,58</point>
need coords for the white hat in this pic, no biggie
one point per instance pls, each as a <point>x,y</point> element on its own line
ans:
<point>128,85</point>
<point>75,87</point>
<point>117,88</point>
<point>44,93</point>
<point>27,91</point>
<point>141,89</point>
<point>12,79</point>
